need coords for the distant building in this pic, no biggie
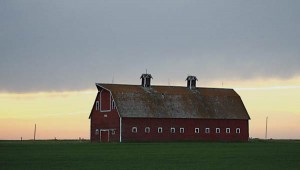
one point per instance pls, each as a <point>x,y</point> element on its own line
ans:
<point>124,113</point>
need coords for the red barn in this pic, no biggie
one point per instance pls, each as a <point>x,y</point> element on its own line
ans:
<point>123,113</point>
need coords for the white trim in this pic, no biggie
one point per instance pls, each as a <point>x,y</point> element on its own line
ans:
<point>147,130</point>
<point>197,130</point>
<point>134,130</point>
<point>119,117</point>
<point>109,102</point>
<point>159,130</point>
<point>120,128</point>
<point>173,130</point>
<point>97,105</point>
<point>104,130</point>
<point>100,136</point>
<point>207,130</point>
<point>181,130</point>
<point>112,105</point>
<point>98,85</point>
<point>227,130</point>
<point>218,130</point>
<point>238,130</point>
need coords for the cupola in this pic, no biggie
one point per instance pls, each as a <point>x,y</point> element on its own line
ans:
<point>146,80</point>
<point>191,81</point>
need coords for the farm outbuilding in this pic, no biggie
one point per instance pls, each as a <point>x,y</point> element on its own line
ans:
<point>124,113</point>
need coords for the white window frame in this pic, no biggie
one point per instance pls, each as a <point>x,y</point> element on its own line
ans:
<point>173,130</point>
<point>113,132</point>
<point>218,130</point>
<point>97,132</point>
<point>238,130</point>
<point>197,130</point>
<point>207,130</point>
<point>97,105</point>
<point>159,130</point>
<point>134,129</point>
<point>181,130</point>
<point>147,130</point>
<point>112,105</point>
<point>227,130</point>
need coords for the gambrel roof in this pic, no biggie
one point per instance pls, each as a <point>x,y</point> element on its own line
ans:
<point>135,101</point>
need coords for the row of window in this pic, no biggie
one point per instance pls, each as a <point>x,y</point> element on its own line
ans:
<point>181,130</point>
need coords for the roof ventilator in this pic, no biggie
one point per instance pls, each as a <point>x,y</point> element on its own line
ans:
<point>146,80</point>
<point>191,81</point>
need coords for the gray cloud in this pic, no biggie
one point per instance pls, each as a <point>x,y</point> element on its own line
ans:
<point>70,45</point>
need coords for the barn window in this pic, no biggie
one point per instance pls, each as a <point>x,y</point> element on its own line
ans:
<point>218,130</point>
<point>97,132</point>
<point>227,130</point>
<point>237,130</point>
<point>172,130</point>
<point>181,130</point>
<point>159,130</point>
<point>197,130</point>
<point>113,132</point>
<point>134,130</point>
<point>97,105</point>
<point>147,130</point>
<point>113,105</point>
<point>207,130</point>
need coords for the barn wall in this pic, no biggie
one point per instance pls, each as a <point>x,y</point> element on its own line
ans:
<point>189,126</point>
<point>105,100</point>
<point>107,119</point>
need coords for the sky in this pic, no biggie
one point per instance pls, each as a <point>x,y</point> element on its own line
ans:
<point>53,52</point>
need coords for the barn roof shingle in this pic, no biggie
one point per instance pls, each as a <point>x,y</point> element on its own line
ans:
<point>135,101</point>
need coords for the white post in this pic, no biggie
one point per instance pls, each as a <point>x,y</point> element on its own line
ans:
<point>120,129</point>
<point>266,135</point>
<point>34,131</point>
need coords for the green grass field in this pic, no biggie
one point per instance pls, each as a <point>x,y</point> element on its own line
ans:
<point>178,155</point>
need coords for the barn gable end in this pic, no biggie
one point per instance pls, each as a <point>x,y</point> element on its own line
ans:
<point>105,119</point>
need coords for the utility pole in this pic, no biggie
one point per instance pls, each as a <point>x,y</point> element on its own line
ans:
<point>266,135</point>
<point>34,131</point>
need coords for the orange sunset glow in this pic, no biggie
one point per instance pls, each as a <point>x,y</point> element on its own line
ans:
<point>64,115</point>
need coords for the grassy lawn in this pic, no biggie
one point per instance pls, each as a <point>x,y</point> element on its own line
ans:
<point>178,155</point>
